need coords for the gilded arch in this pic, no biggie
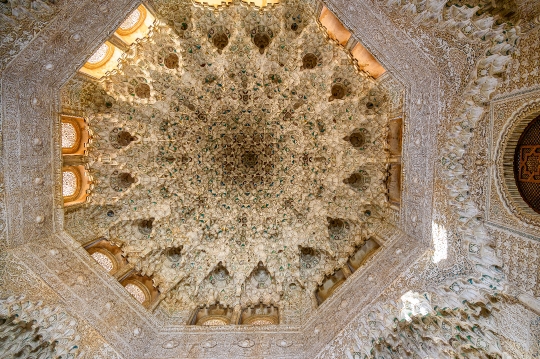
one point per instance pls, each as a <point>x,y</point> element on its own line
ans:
<point>75,135</point>
<point>75,185</point>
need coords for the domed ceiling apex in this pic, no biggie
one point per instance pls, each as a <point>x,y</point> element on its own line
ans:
<point>244,140</point>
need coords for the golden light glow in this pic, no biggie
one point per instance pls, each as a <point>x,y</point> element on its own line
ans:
<point>106,63</point>
<point>69,183</point>
<point>75,184</point>
<point>69,135</point>
<point>136,25</point>
<point>334,27</point>
<point>367,62</point>
<point>338,32</point>
<point>74,135</point>
<point>136,292</point>
<point>103,260</point>
<point>133,21</point>
<point>102,55</point>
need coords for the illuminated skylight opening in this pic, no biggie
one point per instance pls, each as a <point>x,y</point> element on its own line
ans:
<point>69,135</point>
<point>99,55</point>
<point>131,20</point>
<point>69,183</point>
<point>136,292</point>
<point>103,261</point>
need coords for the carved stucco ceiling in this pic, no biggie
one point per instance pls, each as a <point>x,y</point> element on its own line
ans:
<point>46,255</point>
<point>46,265</point>
<point>243,155</point>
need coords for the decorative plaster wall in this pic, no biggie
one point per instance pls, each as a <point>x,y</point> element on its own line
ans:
<point>424,58</point>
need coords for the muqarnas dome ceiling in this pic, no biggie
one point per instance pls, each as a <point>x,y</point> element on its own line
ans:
<point>246,143</point>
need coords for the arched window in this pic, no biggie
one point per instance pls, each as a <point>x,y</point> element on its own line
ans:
<point>518,164</point>
<point>107,255</point>
<point>135,26</point>
<point>141,288</point>
<point>70,183</point>
<point>212,315</point>
<point>527,165</point>
<point>363,254</point>
<point>104,260</point>
<point>329,285</point>
<point>394,145</point>
<point>260,315</point>
<point>101,56</point>
<point>103,60</point>
<point>137,291</point>
<point>69,135</point>
<point>132,22</point>
<point>75,135</point>
<point>337,32</point>
<point>75,185</point>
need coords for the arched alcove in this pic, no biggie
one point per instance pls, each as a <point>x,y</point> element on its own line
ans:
<point>141,287</point>
<point>337,32</point>
<point>527,165</point>
<point>136,25</point>
<point>212,315</point>
<point>329,285</point>
<point>394,142</point>
<point>363,254</point>
<point>75,135</point>
<point>108,255</point>
<point>103,60</point>
<point>75,184</point>
<point>260,315</point>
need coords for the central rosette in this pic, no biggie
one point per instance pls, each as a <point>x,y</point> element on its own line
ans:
<point>249,159</point>
<point>251,156</point>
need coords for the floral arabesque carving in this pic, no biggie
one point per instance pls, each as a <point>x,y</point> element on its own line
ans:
<point>461,214</point>
<point>444,334</point>
<point>458,319</point>
<point>20,22</point>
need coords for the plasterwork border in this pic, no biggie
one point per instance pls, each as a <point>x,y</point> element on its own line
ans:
<point>507,112</point>
<point>30,107</point>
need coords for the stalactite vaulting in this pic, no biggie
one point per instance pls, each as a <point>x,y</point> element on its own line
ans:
<point>285,179</point>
